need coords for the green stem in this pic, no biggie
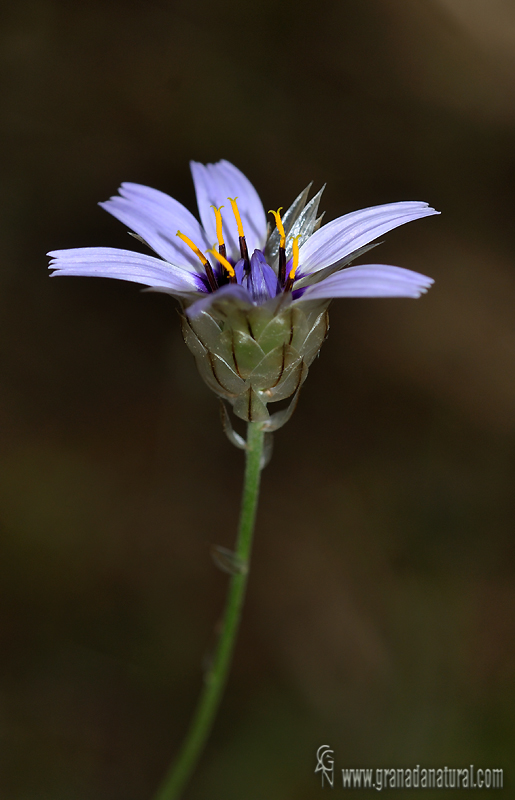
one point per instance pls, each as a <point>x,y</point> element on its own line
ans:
<point>216,678</point>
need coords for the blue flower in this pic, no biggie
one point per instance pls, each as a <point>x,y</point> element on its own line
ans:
<point>254,300</point>
<point>155,217</point>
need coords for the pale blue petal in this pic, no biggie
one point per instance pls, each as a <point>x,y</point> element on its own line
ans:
<point>341,237</point>
<point>230,294</point>
<point>214,184</point>
<point>156,217</point>
<point>370,280</point>
<point>109,262</point>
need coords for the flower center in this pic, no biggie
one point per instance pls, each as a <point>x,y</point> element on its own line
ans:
<point>221,255</point>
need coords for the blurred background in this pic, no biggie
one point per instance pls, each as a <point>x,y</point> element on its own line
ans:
<point>380,617</point>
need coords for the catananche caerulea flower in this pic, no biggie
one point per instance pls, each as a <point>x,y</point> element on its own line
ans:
<point>254,302</point>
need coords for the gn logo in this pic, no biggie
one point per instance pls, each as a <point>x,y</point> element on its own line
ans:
<point>325,764</point>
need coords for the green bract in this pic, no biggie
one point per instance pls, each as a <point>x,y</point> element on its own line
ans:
<point>253,355</point>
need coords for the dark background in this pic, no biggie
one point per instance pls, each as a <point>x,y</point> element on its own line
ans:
<point>380,617</point>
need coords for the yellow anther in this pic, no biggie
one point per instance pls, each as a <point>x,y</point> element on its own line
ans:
<point>279,224</point>
<point>219,234</point>
<point>223,261</point>
<point>237,216</point>
<point>295,253</point>
<point>194,247</point>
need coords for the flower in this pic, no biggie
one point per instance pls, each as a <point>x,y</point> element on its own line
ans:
<point>255,310</point>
